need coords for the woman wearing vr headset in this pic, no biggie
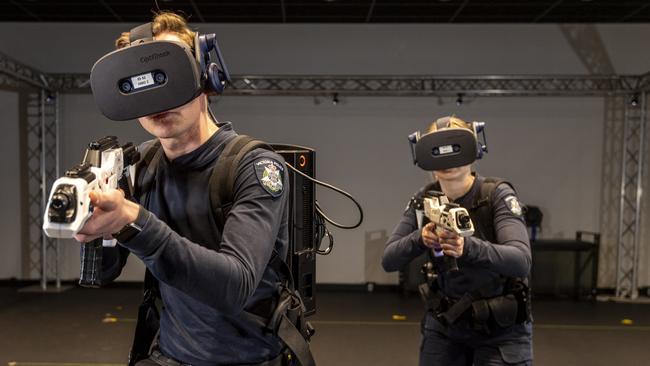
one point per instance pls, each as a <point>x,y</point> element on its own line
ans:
<point>479,307</point>
<point>208,277</point>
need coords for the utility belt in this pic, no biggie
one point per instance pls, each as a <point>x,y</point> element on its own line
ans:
<point>485,314</point>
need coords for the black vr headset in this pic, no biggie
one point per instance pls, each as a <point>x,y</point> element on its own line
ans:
<point>448,147</point>
<point>150,77</point>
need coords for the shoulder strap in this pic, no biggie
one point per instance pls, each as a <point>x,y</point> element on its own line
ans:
<point>482,211</point>
<point>487,188</point>
<point>416,200</point>
<point>148,313</point>
<point>222,179</point>
<point>482,208</point>
<point>435,186</point>
<point>145,169</point>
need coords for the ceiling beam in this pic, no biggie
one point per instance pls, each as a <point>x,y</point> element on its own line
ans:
<point>547,11</point>
<point>24,9</point>
<point>370,10</point>
<point>586,42</point>
<point>110,10</point>
<point>458,11</point>
<point>197,11</point>
<point>635,12</point>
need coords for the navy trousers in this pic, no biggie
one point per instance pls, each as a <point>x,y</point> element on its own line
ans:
<point>461,345</point>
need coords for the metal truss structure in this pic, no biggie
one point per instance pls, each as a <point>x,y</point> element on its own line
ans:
<point>41,254</point>
<point>511,85</point>
<point>409,85</point>
<point>625,131</point>
<point>610,195</point>
<point>13,75</point>
<point>623,156</point>
<point>630,198</point>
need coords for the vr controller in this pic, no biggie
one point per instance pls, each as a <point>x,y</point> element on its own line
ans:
<point>448,147</point>
<point>69,207</point>
<point>105,166</point>
<point>446,216</point>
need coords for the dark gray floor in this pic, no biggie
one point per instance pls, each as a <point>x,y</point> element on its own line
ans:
<point>352,329</point>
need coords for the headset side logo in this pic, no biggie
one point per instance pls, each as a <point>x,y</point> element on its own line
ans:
<point>155,56</point>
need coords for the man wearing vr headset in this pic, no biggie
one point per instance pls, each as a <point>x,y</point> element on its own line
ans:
<point>478,314</point>
<point>207,277</point>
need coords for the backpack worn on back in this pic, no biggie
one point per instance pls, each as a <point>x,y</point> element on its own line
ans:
<point>282,315</point>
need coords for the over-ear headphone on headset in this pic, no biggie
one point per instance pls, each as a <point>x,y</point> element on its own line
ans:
<point>481,145</point>
<point>214,74</point>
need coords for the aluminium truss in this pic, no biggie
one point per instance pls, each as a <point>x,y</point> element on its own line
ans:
<point>630,199</point>
<point>408,85</point>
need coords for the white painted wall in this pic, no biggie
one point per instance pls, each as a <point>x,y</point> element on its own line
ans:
<point>550,148</point>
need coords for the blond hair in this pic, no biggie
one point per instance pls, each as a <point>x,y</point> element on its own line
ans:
<point>449,121</point>
<point>164,22</point>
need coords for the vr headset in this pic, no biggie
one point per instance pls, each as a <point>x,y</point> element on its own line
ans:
<point>448,147</point>
<point>150,77</point>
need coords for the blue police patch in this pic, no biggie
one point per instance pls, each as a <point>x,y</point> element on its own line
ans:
<point>270,173</point>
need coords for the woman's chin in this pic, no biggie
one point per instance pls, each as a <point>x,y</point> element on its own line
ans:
<point>449,174</point>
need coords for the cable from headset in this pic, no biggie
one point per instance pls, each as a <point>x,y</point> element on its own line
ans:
<point>320,233</point>
<point>214,119</point>
<point>338,190</point>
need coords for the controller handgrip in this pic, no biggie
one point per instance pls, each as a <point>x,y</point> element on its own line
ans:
<point>91,264</point>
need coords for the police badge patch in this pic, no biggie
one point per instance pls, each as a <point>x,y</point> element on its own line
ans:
<point>513,205</point>
<point>269,173</point>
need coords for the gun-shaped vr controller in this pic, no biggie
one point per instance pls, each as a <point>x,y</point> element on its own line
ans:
<point>105,166</point>
<point>447,216</point>
<point>436,207</point>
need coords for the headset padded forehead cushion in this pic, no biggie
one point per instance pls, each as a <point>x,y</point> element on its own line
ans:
<point>461,140</point>
<point>174,59</point>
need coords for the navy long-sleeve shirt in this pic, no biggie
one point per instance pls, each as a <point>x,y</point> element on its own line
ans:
<point>207,277</point>
<point>482,261</point>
